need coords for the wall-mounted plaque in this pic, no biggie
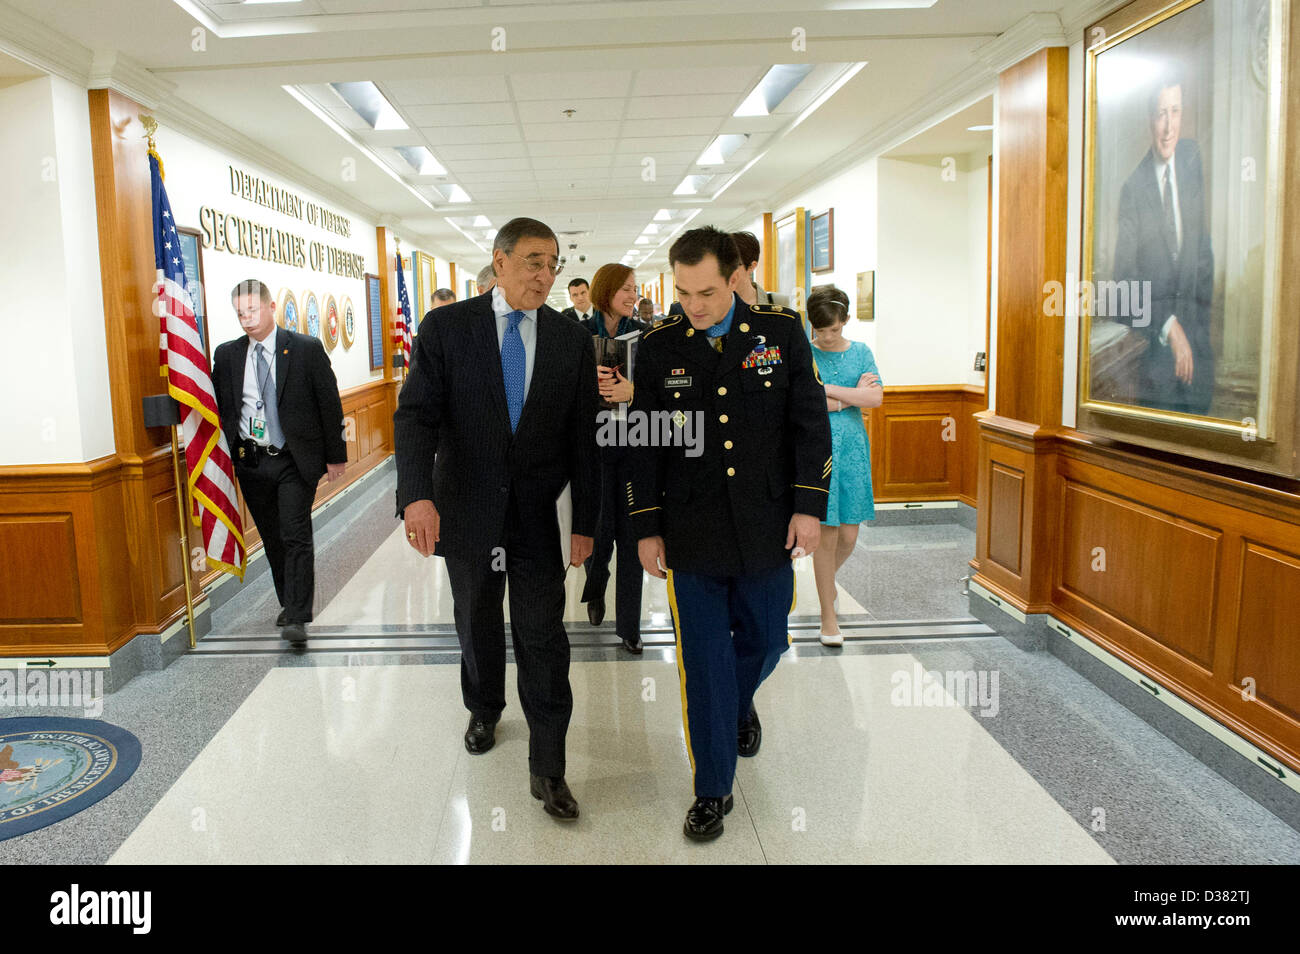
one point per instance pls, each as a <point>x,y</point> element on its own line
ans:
<point>330,325</point>
<point>311,314</point>
<point>287,315</point>
<point>349,323</point>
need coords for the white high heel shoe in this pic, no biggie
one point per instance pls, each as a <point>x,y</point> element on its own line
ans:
<point>831,639</point>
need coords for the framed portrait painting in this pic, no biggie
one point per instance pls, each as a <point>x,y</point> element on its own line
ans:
<point>1183,288</point>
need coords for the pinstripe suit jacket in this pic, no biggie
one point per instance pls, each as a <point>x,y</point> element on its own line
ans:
<point>452,428</point>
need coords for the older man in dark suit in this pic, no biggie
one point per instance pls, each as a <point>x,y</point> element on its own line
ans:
<point>496,416</point>
<point>283,419</point>
<point>1163,240</point>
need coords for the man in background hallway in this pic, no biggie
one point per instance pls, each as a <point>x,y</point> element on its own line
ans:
<point>582,310</point>
<point>283,418</point>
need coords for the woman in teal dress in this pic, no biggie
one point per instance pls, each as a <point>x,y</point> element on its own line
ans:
<point>848,370</point>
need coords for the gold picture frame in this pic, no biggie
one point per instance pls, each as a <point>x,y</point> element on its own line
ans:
<point>1184,337</point>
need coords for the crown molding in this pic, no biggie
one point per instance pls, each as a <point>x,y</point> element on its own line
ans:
<point>110,69</point>
<point>37,45</point>
<point>1080,15</point>
<point>1025,38</point>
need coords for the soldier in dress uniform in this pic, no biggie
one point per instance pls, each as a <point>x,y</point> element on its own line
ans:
<point>723,517</point>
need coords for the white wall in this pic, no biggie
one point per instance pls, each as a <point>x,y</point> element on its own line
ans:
<point>925,237</point>
<point>198,175</point>
<point>54,365</point>
<point>930,282</point>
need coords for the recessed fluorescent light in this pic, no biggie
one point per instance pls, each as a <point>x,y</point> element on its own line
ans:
<point>457,194</point>
<point>370,104</point>
<point>650,229</point>
<point>643,240</point>
<point>826,94</point>
<point>421,160</point>
<point>272,1</point>
<point>452,222</point>
<point>721,149</point>
<point>491,234</point>
<point>691,185</point>
<point>775,86</point>
<point>352,140</point>
<point>663,215</point>
<point>988,128</point>
<point>481,222</point>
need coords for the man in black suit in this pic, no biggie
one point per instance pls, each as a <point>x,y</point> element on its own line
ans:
<point>496,416</point>
<point>283,420</point>
<point>582,311</point>
<point>1163,240</point>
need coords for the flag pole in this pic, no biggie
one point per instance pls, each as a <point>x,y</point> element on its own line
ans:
<point>181,499</point>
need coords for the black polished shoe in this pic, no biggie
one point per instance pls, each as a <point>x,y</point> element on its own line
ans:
<point>480,736</point>
<point>296,633</point>
<point>596,611</point>
<point>554,795</point>
<point>750,735</point>
<point>634,645</point>
<point>704,819</point>
<point>280,621</point>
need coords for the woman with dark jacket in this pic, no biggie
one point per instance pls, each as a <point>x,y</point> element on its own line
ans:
<point>614,293</point>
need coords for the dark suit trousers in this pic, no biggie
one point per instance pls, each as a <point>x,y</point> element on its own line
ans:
<point>280,502</point>
<point>534,567</point>
<point>615,527</point>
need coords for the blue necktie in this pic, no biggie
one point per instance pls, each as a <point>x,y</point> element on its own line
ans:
<point>270,403</point>
<point>513,363</point>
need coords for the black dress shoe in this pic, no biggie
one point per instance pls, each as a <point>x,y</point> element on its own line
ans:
<point>280,620</point>
<point>296,633</point>
<point>704,818</point>
<point>480,736</point>
<point>750,735</point>
<point>555,796</point>
<point>633,645</point>
<point>596,611</point>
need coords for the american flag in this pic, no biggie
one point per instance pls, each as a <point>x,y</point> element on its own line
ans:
<point>402,333</point>
<point>182,361</point>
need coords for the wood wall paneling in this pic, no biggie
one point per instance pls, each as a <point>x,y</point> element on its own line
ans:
<point>1033,104</point>
<point>1148,568</point>
<point>1268,627</point>
<point>1006,515</point>
<point>923,443</point>
<point>41,579</point>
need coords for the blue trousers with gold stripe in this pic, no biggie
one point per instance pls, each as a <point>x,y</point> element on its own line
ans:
<point>730,633</point>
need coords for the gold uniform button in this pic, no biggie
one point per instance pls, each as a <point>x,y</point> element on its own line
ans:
<point>744,326</point>
<point>689,332</point>
<point>722,391</point>
<point>677,394</point>
<point>727,445</point>
<point>731,472</point>
<point>722,418</point>
<point>767,384</point>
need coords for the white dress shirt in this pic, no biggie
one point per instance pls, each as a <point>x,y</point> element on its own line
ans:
<point>584,315</point>
<point>251,395</point>
<point>527,331</point>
